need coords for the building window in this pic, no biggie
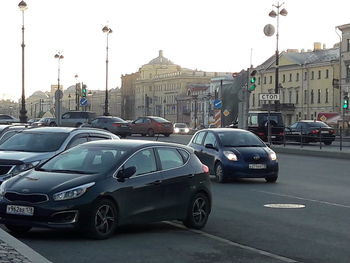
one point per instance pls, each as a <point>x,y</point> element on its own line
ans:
<point>284,78</point>
<point>312,75</point>
<point>312,97</point>
<point>283,96</point>
<point>290,77</point>
<point>327,94</point>
<point>305,96</point>
<point>318,96</point>
<point>253,102</point>
<point>319,74</point>
<point>348,45</point>
<point>290,96</point>
<point>327,74</point>
<point>347,73</point>
<point>297,78</point>
<point>264,80</point>
<point>270,79</point>
<point>297,97</point>
<point>259,80</point>
<point>305,76</point>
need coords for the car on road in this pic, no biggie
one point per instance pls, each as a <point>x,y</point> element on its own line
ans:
<point>7,119</point>
<point>115,125</point>
<point>74,118</point>
<point>45,121</point>
<point>235,153</point>
<point>181,128</point>
<point>28,148</point>
<point>97,186</point>
<point>310,131</point>
<point>151,125</point>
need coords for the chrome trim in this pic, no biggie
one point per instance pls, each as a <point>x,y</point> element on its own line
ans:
<point>47,197</point>
<point>74,220</point>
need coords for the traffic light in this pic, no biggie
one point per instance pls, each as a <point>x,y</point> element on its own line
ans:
<point>83,91</point>
<point>252,81</point>
<point>346,102</point>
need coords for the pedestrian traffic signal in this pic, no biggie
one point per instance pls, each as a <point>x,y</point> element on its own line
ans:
<point>346,102</point>
<point>252,81</point>
<point>83,91</point>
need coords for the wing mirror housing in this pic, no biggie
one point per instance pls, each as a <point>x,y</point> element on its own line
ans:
<point>126,173</point>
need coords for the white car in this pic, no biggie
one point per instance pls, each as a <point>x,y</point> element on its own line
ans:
<point>181,128</point>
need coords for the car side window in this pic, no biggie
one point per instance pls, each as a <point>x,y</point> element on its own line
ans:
<point>98,138</point>
<point>170,158</point>
<point>66,116</point>
<point>146,121</point>
<point>138,121</point>
<point>76,141</point>
<point>199,138</point>
<point>144,161</point>
<point>294,126</point>
<point>253,120</point>
<point>210,139</point>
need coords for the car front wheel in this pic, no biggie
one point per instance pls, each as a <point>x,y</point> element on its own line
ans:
<point>198,212</point>
<point>271,179</point>
<point>219,173</point>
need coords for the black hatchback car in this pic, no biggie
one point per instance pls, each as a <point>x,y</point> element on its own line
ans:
<point>235,153</point>
<point>98,186</point>
<point>310,131</point>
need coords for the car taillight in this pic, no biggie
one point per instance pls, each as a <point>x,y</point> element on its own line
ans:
<point>116,124</point>
<point>314,131</point>
<point>205,168</point>
<point>260,134</point>
<point>331,131</point>
<point>159,124</point>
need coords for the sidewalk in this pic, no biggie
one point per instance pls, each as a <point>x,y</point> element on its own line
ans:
<point>14,251</point>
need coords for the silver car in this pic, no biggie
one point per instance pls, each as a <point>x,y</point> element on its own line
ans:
<point>29,148</point>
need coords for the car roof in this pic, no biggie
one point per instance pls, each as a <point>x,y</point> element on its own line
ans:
<point>216,130</point>
<point>64,129</point>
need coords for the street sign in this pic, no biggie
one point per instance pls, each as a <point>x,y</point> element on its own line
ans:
<point>83,101</point>
<point>269,96</point>
<point>226,113</point>
<point>58,94</point>
<point>217,104</point>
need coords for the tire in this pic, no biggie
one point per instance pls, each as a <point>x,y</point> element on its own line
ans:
<point>52,124</point>
<point>327,142</point>
<point>198,212</point>
<point>271,179</point>
<point>18,229</point>
<point>219,173</point>
<point>166,134</point>
<point>78,124</point>
<point>150,132</point>
<point>102,220</point>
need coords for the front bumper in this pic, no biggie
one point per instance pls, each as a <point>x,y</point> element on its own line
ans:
<point>242,170</point>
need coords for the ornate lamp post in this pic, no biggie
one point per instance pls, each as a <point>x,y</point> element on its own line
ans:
<point>277,14</point>
<point>58,93</point>
<point>108,31</point>
<point>23,112</point>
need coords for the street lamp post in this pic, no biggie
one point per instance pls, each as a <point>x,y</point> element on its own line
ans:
<point>108,31</point>
<point>59,93</point>
<point>23,112</point>
<point>76,93</point>
<point>274,14</point>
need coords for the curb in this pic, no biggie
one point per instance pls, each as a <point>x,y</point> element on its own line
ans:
<point>312,152</point>
<point>22,248</point>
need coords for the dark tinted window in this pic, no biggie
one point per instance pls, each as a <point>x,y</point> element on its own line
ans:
<point>144,161</point>
<point>277,118</point>
<point>184,155</point>
<point>169,158</point>
<point>34,142</point>
<point>210,139</point>
<point>317,124</point>
<point>239,139</point>
<point>180,125</point>
<point>115,119</point>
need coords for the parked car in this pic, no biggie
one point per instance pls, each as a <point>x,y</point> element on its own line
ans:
<point>115,125</point>
<point>31,121</point>
<point>310,131</point>
<point>152,125</point>
<point>73,118</point>
<point>7,119</point>
<point>235,153</point>
<point>30,147</point>
<point>181,128</point>
<point>45,121</point>
<point>11,130</point>
<point>98,186</point>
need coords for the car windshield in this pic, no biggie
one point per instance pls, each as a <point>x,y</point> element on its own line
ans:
<point>34,142</point>
<point>159,119</point>
<point>180,125</point>
<point>84,160</point>
<point>240,139</point>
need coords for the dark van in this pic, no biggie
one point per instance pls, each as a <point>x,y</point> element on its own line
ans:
<point>259,121</point>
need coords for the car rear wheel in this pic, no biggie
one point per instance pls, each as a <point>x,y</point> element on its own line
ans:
<point>52,124</point>
<point>271,179</point>
<point>103,220</point>
<point>198,212</point>
<point>327,142</point>
<point>18,229</point>
<point>150,132</point>
<point>219,173</point>
<point>166,134</point>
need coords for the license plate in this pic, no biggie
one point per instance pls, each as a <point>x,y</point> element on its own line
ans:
<point>20,210</point>
<point>257,166</point>
<point>325,132</point>
<point>273,137</point>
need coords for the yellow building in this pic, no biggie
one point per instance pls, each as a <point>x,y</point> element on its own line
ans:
<point>308,83</point>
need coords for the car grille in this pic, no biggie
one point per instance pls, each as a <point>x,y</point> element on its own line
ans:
<point>4,169</point>
<point>31,198</point>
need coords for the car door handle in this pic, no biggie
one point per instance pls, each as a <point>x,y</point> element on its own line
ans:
<point>157,182</point>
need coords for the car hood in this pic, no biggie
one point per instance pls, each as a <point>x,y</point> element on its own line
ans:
<point>248,151</point>
<point>8,156</point>
<point>46,182</point>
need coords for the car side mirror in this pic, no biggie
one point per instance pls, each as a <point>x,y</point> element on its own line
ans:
<point>268,145</point>
<point>126,173</point>
<point>210,146</point>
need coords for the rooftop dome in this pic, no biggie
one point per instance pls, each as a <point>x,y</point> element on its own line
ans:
<point>160,60</point>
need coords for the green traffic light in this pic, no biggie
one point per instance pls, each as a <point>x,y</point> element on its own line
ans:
<point>346,102</point>
<point>253,80</point>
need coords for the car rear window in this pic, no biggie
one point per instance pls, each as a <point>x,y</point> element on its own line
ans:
<point>317,124</point>
<point>159,119</point>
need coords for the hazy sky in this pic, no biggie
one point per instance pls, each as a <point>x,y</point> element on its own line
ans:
<point>209,35</point>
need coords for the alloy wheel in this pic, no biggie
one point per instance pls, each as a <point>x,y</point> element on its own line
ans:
<point>105,219</point>
<point>199,211</point>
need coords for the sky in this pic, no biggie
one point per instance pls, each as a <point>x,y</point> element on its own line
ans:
<point>208,35</point>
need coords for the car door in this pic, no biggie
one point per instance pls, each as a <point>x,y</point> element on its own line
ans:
<point>197,144</point>
<point>292,133</point>
<point>210,150</point>
<point>176,179</point>
<point>144,189</point>
<point>137,126</point>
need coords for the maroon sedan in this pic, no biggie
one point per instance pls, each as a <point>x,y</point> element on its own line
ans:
<point>151,125</point>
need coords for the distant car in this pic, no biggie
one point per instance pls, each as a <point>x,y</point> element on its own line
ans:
<point>77,118</point>
<point>30,147</point>
<point>99,186</point>
<point>45,121</point>
<point>113,124</point>
<point>235,153</point>
<point>7,119</point>
<point>310,131</point>
<point>152,125</point>
<point>181,128</point>
<point>31,121</point>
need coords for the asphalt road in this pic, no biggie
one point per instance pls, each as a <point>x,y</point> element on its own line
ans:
<point>240,229</point>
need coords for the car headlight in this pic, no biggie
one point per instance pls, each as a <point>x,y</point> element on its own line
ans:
<point>72,193</point>
<point>176,130</point>
<point>23,167</point>
<point>273,156</point>
<point>2,189</point>
<point>230,155</point>
<point>187,130</point>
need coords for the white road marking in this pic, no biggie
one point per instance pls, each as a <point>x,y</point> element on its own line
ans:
<point>305,199</point>
<point>283,206</point>
<point>231,243</point>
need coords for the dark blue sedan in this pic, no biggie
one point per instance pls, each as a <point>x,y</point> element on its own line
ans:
<point>235,153</point>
